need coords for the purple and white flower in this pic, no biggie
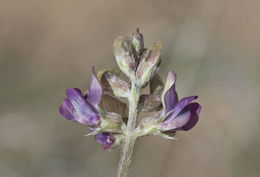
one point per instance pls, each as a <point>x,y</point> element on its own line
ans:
<point>80,109</point>
<point>183,115</point>
<point>87,109</point>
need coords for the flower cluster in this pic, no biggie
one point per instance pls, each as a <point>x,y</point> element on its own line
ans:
<point>101,107</point>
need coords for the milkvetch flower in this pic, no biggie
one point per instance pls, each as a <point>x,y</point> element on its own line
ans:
<point>175,115</point>
<point>183,115</point>
<point>94,110</point>
<point>80,108</point>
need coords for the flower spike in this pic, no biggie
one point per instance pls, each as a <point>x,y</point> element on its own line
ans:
<point>113,121</point>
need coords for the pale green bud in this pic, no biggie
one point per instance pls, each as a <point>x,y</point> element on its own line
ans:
<point>147,126</point>
<point>124,53</point>
<point>111,81</point>
<point>149,64</point>
<point>112,122</point>
<point>103,80</point>
<point>150,103</point>
<point>120,88</point>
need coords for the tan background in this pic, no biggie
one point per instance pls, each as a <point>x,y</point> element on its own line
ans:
<point>47,46</point>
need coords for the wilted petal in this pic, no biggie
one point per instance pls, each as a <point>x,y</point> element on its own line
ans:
<point>169,96</point>
<point>95,90</point>
<point>82,111</point>
<point>106,139</point>
<point>195,109</point>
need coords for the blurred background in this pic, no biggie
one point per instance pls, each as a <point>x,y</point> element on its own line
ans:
<point>47,46</point>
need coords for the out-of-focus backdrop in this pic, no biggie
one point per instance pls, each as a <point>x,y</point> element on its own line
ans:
<point>47,46</point>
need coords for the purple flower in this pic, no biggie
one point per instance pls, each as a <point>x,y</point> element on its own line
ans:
<point>183,115</point>
<point>106,139</point>
<point>82,109</point>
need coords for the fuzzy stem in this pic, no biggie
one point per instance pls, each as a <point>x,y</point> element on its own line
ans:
<point>129,139</point>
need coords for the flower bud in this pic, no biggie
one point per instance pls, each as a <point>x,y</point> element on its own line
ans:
<point>138,42</point>
<point>108,140</point>
<point>149,64</point>
<point>150,103</point>
<point>124,53</point>
<point>111,81</point>
<point>119,87</point>
<point>103,80</point>
<point>112,122</point>
<point>147,126</point>
<point>156,85</point>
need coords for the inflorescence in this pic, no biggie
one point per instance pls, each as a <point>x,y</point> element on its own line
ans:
<point>102,107</point>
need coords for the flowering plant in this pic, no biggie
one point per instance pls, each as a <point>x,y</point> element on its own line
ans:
<point>112,121</point>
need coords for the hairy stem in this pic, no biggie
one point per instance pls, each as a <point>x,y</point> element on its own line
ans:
<point>129,140</point>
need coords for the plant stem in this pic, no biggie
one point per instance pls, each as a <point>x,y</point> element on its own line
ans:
<point>129,139</point>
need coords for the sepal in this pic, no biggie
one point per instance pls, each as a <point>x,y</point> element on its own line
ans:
<point>150,125</point>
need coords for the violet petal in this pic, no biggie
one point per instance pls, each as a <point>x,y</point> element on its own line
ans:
<point>170,99</point>
<point>195,109</point>
<point>83,112</point>
<point>178,121</point>
<point>169,96</point>
<point>180,106</point>
<point>66,110</point>
<point>106,139</point>
<point>95,90</point>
